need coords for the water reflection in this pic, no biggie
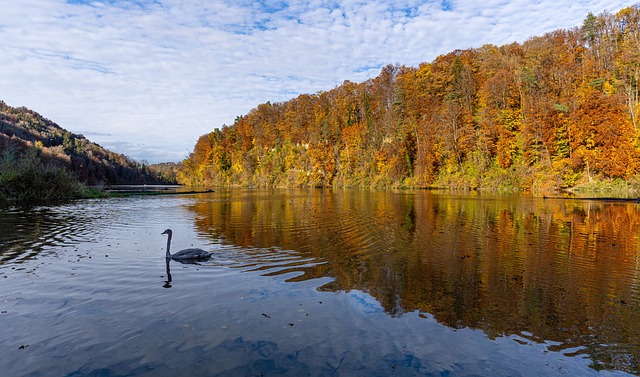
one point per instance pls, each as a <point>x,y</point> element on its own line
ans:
<point>196,262</point>
<point>561,271</point>
<point>167,283</point>
<point>25,232</point>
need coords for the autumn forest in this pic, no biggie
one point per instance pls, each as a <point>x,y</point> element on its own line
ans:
<point>553,112</point>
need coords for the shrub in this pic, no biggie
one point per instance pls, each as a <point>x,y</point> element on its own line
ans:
<point>25,177</point>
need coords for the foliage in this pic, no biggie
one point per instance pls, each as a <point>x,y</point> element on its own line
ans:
<point>166,172</point>
<point>617,188</point>
<point>555,111</point>
<point>27,178</point>
<point>25,130</point>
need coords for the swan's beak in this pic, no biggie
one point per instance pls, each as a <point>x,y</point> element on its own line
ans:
<point>165,232</point>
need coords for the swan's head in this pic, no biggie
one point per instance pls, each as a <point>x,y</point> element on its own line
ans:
<point>168,231</point>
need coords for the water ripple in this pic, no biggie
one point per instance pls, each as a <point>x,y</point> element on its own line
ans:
<point>565,276</point>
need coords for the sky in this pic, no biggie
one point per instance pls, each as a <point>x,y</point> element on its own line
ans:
<point>146,78</point>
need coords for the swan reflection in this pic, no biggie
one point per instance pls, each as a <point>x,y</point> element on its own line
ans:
<point>167,283</point>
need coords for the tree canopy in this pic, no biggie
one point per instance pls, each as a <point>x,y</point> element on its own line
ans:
<point>553,111</point>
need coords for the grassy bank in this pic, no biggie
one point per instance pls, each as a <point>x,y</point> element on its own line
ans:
<point>24,177</point>
<point>617,188</point>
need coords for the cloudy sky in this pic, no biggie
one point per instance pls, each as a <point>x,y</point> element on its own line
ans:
<point>147,77</point>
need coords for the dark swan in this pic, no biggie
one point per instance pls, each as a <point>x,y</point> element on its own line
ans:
<point>186,254</point>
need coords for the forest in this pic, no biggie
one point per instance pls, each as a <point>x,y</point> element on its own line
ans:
<point>555,111</point>
<point>29,138</point>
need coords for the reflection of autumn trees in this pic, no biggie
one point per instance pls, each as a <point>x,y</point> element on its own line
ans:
<point>552,111</point>
<point>557,270</point>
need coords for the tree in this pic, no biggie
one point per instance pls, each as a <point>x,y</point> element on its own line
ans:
<point>602,137</point>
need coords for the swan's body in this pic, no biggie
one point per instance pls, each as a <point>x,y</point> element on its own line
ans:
<point>186,254</point>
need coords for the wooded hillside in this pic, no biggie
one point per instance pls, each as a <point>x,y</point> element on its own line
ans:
<point>554,111</point>
<point>23,130</point>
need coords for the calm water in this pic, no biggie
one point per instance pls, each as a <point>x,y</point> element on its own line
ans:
<point>322,283</point>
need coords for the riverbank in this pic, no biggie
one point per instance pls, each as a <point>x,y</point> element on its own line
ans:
<point>148,190</point>
<point>25,177</point>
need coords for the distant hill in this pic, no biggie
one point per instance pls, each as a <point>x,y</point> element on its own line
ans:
<point>22,130</point>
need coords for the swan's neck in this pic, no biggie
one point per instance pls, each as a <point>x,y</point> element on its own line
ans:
<point>168,245</point>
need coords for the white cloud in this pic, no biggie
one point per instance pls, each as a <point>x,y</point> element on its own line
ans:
<point>148,77</point>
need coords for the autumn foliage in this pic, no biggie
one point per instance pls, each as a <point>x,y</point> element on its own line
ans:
<point>554,111</point>
<point>28,138</point>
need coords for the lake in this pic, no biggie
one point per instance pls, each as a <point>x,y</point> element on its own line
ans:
<point>322,283</point>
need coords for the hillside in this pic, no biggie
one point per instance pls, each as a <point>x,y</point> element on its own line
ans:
<point>555,111</point>
<point>23,130</point>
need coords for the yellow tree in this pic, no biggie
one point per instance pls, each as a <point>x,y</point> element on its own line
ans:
<point>602,137</point>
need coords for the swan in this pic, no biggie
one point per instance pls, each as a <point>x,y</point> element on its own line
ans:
<point>185,254</point>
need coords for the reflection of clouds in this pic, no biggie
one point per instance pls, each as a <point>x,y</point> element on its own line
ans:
<point>211,322</point>
<point>264,357</point>
<point>152,71</point>
<point>367,303</point>
<point>504,265</point>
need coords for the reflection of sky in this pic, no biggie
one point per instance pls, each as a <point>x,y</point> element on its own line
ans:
<point>150,76</point>
<point>96,283</point>
<point>365,302</point>
<point>215,321</point>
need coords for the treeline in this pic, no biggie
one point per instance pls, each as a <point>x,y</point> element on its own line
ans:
<point>554,111</point>
<point>26,136</point>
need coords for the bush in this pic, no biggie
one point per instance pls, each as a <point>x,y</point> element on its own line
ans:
<point>25,177</point>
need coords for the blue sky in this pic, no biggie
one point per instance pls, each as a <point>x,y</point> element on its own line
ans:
<point>147,77</point>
